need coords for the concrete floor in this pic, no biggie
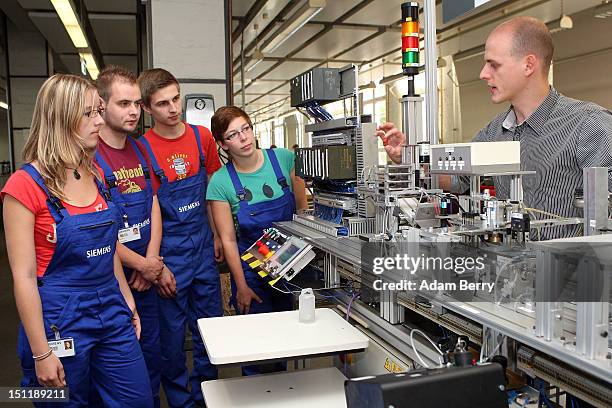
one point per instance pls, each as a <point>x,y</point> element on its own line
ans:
<point>10,374</point>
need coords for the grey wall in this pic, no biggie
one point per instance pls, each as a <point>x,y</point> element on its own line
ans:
<point>188,39</point>
<point>583,57</point>
<point>581,70</point>
<point>475,101</point>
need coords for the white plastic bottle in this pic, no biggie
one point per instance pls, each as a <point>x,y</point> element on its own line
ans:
<point>307,306</point>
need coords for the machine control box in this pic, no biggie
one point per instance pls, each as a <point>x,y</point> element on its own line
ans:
<point>326,162</point>
<point>318,84</point>
<point>322,85</point>
<point>476,158</point>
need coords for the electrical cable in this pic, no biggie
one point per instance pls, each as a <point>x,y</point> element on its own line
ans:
<point>484,344</point>
<point>544,396</point>
<point>316,290</point>
<point>288,292</point>
<point>535,210</point>
<point>348,308</point>
<point>495,350</point>
<point>422,362</point>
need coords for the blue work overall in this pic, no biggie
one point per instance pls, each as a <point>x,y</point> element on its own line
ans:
<point>252,220</point>
<point>81,299</point>
<point>188,250</point>
<point>135,209</point>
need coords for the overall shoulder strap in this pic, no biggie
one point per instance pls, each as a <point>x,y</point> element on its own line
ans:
<point>280,177</point>
<point>238,188</point>
<point>57,209</point>
<point>109,176</point>
<point>156,169</point>
<point>196,132</point>
<point>141,158</point>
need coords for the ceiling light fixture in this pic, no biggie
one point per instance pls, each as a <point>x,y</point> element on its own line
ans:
<point>3,105</point>
<point>90,63</point>
<point>257,55</point>
<point>562,23</point>
<point>66,13</point>
<point>256,58</point>
<point>371,85</point>
<point>306,13</point>
<point>391,78</point>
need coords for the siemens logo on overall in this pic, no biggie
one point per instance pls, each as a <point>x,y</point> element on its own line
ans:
<point>189,206</point>
<point>98,251</point>
<point>143,224</point>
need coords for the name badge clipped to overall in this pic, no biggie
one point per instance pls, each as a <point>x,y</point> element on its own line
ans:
<point>62,347</point>
<point>128,234</point>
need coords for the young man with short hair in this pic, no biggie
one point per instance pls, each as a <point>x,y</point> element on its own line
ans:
<point>183,157</point>
<point>127,175</point>
<point>559,136</point>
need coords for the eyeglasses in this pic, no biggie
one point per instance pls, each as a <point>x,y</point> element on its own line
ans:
<point>246,129</point>
<point>94,112</point>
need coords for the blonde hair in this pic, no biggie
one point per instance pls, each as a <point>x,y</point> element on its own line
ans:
<point>54,142</point>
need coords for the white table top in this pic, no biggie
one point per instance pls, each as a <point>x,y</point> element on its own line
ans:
<point>279,335</point>
<point>320,388</point>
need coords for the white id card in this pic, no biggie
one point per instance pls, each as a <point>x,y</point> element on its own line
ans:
<point>63,347</point>
<point>129,234</point>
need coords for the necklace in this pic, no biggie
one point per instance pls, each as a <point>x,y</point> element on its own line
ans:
<point>75,171</point>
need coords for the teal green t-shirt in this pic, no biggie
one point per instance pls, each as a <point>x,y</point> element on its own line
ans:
<point>260,185</point>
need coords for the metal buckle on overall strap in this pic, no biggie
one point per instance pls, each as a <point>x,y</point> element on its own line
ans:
<point>106,194</point>
<point>283,182</point>
<point>111,181</point>
<point>56,203</point>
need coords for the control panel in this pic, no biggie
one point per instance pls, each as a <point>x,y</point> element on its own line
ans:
<point>476,158</point>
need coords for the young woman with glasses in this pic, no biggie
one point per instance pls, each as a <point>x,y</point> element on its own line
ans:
<point>256,188</point>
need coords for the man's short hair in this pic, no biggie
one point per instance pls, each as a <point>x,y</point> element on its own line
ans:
<point>110,74</point>
<point>152,80</point>
<point>531,36</point>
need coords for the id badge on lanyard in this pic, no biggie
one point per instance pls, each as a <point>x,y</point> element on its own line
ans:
<point>62,347</point>
<point>128,234</point>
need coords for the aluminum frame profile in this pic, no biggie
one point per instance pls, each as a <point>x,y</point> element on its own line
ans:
<point>595,200</point>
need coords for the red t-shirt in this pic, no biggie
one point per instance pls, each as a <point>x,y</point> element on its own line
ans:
<point>126,166</point>
<point>25,190</point>
<point>179,158</point>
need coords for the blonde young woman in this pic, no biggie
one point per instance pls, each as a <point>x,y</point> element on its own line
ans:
<point>79,324</point>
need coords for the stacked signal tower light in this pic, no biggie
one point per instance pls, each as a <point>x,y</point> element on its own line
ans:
<point>410,42</point>
<point>417,150</point>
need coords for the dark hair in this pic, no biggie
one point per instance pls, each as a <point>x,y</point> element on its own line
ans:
<point>110,74</point>
<point>222,119</point>
<point>152,80</point>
